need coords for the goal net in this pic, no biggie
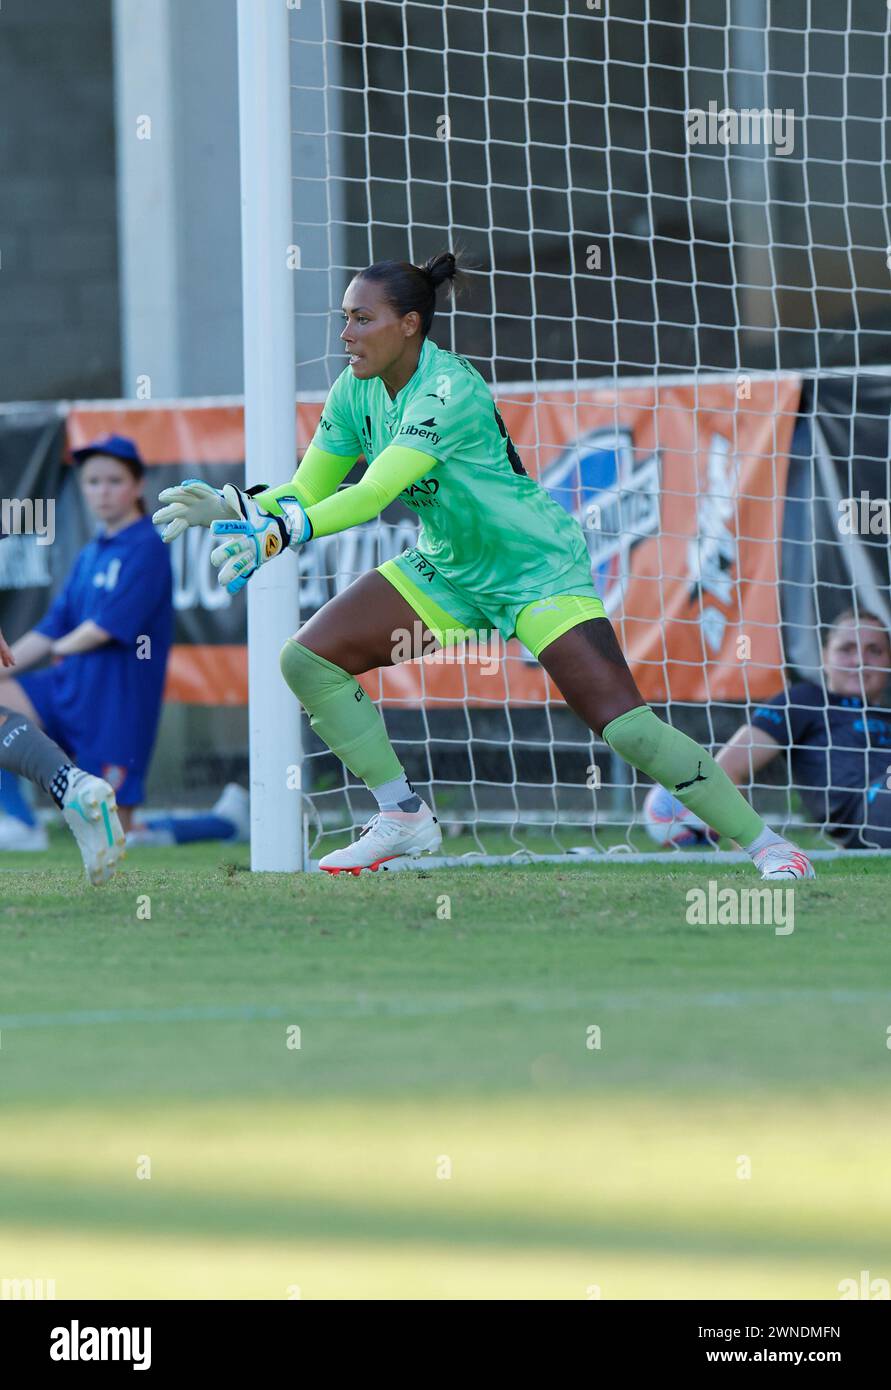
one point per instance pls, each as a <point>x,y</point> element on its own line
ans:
<point>676,218</point>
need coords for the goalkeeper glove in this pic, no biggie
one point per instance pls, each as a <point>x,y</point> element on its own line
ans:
<point>195,503</point>
<point>256,537</point>
<point>192,503</point>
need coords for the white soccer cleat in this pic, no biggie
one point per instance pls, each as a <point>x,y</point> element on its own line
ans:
<point>91,814</point>
<point>783,861</point>
<point>388,835</point>
<point>18,837</point>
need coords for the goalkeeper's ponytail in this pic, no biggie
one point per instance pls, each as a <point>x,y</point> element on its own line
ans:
<point>411,287</point>
<point>441,268</point>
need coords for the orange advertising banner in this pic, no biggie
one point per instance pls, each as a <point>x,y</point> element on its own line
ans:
<point>680,492</point>
<point>679,488</point>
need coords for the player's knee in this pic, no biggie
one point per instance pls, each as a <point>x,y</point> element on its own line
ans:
<point>294,663</point>
<point>308,674</point>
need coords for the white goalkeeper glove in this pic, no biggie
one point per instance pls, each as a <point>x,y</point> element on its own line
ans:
<point>192,503</point>
<point>256,537</point>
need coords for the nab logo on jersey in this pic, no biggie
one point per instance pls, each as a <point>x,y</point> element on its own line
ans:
<point>614,496</point>
<point>421,494</point>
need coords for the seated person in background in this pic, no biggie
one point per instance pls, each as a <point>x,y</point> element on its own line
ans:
<point>86,802</point>
<point>839,741</point>
<point>110,627</point>
<point>229,819</point>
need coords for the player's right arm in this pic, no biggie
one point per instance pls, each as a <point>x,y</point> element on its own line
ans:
<point>6,656</point>
<point>196,503</point>
<point>318,476</point>
<point>333,450</point>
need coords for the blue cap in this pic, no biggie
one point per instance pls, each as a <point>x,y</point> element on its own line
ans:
<point>116,446</point>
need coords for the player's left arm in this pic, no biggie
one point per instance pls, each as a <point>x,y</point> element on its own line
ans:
<point>394,469</point>
<point>6,656</point>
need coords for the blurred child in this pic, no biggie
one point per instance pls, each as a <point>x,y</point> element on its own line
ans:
<point>109,630</point>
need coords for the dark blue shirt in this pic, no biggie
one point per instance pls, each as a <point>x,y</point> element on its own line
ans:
<point>837,748</point>
<point>124,584</point>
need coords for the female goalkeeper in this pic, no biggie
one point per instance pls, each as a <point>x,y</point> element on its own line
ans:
<point>494,551</point>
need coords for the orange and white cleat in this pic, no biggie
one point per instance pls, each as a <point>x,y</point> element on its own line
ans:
<point>783,861</point>
<point>388,835</point>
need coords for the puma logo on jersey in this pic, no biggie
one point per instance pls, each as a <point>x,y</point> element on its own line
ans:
<point>443,387</point>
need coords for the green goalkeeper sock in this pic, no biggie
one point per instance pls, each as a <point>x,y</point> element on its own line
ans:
<point>686,770</point>
<point>342,714</point>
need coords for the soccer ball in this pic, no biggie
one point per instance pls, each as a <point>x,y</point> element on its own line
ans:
<point>671,825</point>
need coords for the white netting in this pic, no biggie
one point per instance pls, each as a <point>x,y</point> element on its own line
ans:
<point>659,200</point>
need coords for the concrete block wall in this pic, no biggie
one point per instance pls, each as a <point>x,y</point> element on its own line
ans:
<point>59,329</point>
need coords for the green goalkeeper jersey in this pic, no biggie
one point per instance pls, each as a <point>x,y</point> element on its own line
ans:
<point>485,524</point>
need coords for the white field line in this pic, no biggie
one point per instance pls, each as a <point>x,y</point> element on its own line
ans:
<point>439,1005</point>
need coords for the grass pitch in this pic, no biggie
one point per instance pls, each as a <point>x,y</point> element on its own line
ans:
<point>452,1123</point>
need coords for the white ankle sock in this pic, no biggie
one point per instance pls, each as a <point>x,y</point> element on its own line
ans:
<point>767,837</point>
<point>389,794</point>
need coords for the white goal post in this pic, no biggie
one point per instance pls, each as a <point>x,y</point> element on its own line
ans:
<point>269,422</point>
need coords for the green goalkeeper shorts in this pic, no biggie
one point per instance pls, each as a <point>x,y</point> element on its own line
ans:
<point>452,616</point>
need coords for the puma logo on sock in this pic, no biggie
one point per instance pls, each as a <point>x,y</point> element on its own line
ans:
<point>698,778</point>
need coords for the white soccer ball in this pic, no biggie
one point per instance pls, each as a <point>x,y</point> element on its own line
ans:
<point>671,825</point>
